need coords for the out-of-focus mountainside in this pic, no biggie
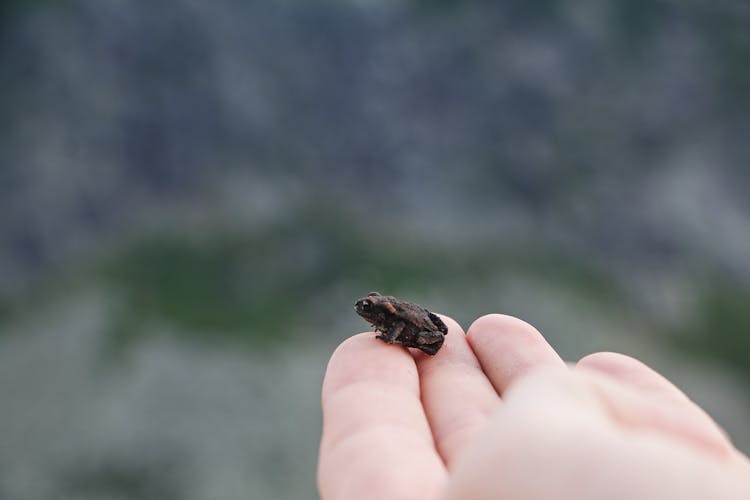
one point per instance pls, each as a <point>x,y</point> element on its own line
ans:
<point>618,124</point>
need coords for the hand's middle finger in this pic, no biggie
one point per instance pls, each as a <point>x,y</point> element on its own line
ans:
<point>456,394</point>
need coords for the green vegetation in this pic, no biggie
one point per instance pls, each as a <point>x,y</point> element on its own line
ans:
<point>721,328</point>
<point>261,286</point>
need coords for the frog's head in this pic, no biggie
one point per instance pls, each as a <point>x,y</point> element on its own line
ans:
<point>373,307</point>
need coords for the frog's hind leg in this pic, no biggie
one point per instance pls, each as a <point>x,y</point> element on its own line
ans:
<point>430,343</point>
<point>438,322</point>
<point>390,336</point>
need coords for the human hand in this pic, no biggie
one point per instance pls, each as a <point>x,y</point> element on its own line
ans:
<point>496,414</point>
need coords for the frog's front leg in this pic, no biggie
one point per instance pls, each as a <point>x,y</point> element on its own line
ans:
<point>390,336</point>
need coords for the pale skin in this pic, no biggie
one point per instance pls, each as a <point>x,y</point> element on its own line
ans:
<point>497,414</point>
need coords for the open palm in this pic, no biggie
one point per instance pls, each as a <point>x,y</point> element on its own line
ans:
<point>498,414</point>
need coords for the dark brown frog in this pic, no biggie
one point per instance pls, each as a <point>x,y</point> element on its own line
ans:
<point>401,322</point>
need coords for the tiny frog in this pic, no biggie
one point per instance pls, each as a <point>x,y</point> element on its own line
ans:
<point>401,322</point>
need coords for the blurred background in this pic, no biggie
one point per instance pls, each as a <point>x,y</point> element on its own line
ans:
<point>193,194</point>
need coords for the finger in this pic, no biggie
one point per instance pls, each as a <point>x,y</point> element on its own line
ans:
<point>507,348</point>
<point>555,424</point>
<point>632,372</point>
<point>648,400</point>
<point>457,396</point>
<point>376,439</point>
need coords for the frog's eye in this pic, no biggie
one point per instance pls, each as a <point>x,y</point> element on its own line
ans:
<point>366,304</point>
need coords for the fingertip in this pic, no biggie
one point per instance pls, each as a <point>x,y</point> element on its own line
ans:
<point>362,357</point>
<point>500,322</point>
<point>629,370</point>
<point>349,343</point>
<point>508,347</point>
<point>604,359</point>
<point>660,397</point>
<point>355,345</point>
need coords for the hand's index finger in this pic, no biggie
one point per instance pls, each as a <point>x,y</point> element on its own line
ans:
<point>376,440</point>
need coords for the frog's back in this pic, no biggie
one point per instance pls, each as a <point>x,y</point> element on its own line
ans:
<point>420,319</point>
